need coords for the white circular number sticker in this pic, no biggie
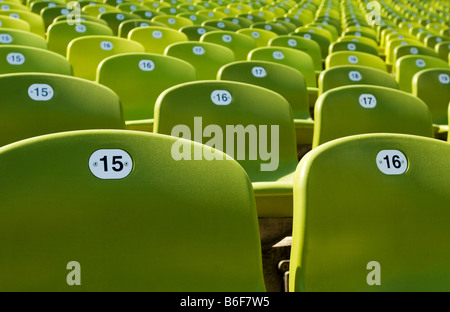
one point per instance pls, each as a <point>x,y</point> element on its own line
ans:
<point>351,47</point>
<point>367,100</point>
<point>278,55</point>
<point>221,97</point>
<point>201,31</point>
<point>226,38</point>
<point>5,38</point>
<point>255,34</point>
<point>171,21</point>
<point>157,34</point>
<point>414,50</point>
<point>444,78</point>
<point>40,92</point>
<point>354,75</point>
<point>353,59</point>
<point>198,50</point>
<point>120,17</point>
<point>307,36</point>
<point>106,45</point>
<point>80,28</point>
<point>259,72</point>
<point>420,63</point>
<point>221,24</point>
<point>110,164</point>
<point>146,65</point>
<point>292,42</point>
<point>15,58</point>
<point>392,162</point>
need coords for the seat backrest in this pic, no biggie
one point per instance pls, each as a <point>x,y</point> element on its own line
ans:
<point>294,58</point>
<point>352,46</point>
<point>10,36</point>
<point>86,53</point>
<point>34,20</point>
<point>370,214</point>
<point>443,49</point>
<point>13,23</point>
<point>195,32</point>
<point>35,104</point>
<point>60,34</point>
<point>323,41</point>
<point>260,36</point>
<point>246,121</point>
<point>15,59</point>
<point>355,58</point>
<point>174,22</point>
<point>411,49</point>
<point>220,24</point>
<point>207,58</point>
<point>130,75</point>
<point>360,109</point>
<point>310,47</point>
<point>114,19</point>
<point>117,207</point>
<point>433,87</point>
<point>156,39</point>
<point>240,44</point>
<point>343,75</point>
<point>280,78</point>
<point>407,66</point>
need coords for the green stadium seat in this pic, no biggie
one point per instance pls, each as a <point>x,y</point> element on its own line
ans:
<point>293,58</point>
<point>83,211</point>
<point>96,9</point>
<point>220,24</point>
<point>127,26</point>
<point>345,75</point>
<point>411,49</point>
<point>279,78</point>
<point>432,86</point>
<point>34,20</point>
<point>138,71</point>
<point>260,36</point>
<point>240,44</point>
<point>443,49</point>
<point>10,36</point>
<point>323,41</point>
<point>355,58</point>
<point>156,39</point>
<point>369,215</point>
<point>34,104</point>
<point>207,58</point>
<point>408,65</point>
<point>19,59</point>
<point>13,23</point>
<point>310,47</point>
<point>114,19</point>
<point>361,109</point>
<point>280,30</point>
<point>61,33</point>
<point>174,22</point>
<point>352,46</point>
<point>195,32</point>
<point>86,53</point>
<point>228,110</point>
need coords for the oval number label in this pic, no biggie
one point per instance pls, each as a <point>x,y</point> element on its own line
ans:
<point>259,72</point>
<point>392,162</point>
<point>367,100</point>
<point>221,97</point>
<point>15,58</point>
<point>110,164</point>
<point>40,92</point>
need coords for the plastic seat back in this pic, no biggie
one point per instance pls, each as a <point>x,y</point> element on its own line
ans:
<point>117,206</point>
<point>370,214</point>
<point>359,109</point>
<point>86,53</point>
<point>36,104</point>
<point>207,58</point>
